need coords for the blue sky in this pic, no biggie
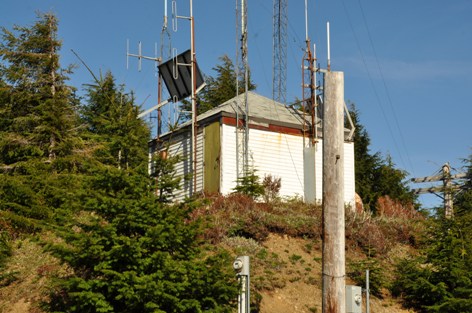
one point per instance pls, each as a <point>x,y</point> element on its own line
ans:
<point>407,64</point>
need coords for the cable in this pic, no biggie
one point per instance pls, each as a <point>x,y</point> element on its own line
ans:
<point>379,102</point>
<point>387,92</point>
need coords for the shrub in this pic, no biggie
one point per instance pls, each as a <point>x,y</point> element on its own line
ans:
<point>249,185</point>
<point>272,187</point>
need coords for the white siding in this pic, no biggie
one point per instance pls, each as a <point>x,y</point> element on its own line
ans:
<point>349,183</point>
<point>349,174</point>
<point>228,159</point>
<point>281,156</point>
<point>182,147</point>
<point>272,153</point>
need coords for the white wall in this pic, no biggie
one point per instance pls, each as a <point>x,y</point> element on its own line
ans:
<point>182,146</point>
<point>281,156</point>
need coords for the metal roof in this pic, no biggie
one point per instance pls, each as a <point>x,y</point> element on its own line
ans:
<point>261,109</point>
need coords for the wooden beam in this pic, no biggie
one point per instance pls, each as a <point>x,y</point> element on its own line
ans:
<point>427,179</point>
<point>435,189</point>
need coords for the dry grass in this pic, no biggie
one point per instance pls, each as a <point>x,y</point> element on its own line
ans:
<point>31,269</point>
<point>283,239</point>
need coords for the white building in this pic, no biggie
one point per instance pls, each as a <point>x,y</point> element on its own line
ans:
<point>277,146</point>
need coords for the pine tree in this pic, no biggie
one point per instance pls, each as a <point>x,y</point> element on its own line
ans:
<point>112,120</point>
<point>135,254</point>
<point>221,88</point>
<point>37,106</point>
<point>440,280</point>
<point>38,136</point>
<point>375,175</point>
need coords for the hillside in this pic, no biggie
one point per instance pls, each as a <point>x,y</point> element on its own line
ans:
<point>282,239</point>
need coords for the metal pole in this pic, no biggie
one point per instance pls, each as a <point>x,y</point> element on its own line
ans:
<point>194,102</point>
<point>236,70</point>
<point>329,46</point>
<point>333,281</point>
<point>367,292</point>
<point>242,266</point>
<point>246,82</point>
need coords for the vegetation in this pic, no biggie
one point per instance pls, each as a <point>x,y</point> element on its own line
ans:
<point>376,176</point>
<point>80,173</point>
<point>39,137</point>
<point>439,279</point>
<point>221,88</point>
<point>77,200</point>
<point>250,185</point>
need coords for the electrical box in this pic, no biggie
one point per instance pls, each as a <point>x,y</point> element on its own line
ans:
<point>241,265</point>
<point>353,299</point>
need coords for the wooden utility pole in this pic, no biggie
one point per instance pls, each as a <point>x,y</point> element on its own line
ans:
<point>447,188</point>
<point>334,261</point>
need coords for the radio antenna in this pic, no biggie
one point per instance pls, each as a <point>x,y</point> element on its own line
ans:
<point>329,46</point>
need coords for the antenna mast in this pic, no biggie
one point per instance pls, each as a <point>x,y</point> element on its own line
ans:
<point>246,83</point>
<point>309,82</point>
<point>193,84</point>
<point>164,35</point>
<point>279,62</point>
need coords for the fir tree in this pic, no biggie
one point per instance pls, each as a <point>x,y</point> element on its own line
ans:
<point>37,106</point>
<point>375,175</point>
<point>221,88</point>
<point>38,136</point>
<point>112,121</point>
<point>440,280</point>
<point>135,254</point>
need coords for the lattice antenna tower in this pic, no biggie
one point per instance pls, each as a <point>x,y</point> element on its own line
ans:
<point>279,53</point>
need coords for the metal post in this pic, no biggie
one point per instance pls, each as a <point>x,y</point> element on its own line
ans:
<point>367,292</point>
<point>333,282</point>
<point>194,102</point>
<point>246,83</point>
<point>242,267</point>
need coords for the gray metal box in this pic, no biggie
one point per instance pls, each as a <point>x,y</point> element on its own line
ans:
<point>353,299</point>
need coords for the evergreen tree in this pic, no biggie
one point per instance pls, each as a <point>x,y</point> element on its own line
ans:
<point>440,279</point>
<point>135,254</point>
<point>37,106</point>
<point>221,88</point>
<point>375,175</point>
<point>130,251</point>
<point>113,123</point>
<point>38,135</point>
<point>365,162</point>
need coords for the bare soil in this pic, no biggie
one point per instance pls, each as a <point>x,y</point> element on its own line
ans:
<point>304,294</point>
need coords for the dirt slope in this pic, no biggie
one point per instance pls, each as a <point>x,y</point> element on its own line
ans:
<point>302,290</point>
<point>286,270</point>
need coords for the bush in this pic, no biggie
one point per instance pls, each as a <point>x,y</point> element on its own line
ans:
<point>249,185</point>
<point>272,187</point>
